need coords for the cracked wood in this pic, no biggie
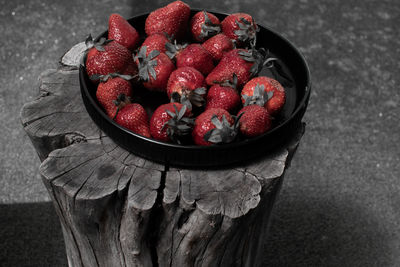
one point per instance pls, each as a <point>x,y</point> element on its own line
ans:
<point>117,209</point>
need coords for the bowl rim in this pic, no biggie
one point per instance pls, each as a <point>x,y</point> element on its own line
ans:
<point>299,106</point>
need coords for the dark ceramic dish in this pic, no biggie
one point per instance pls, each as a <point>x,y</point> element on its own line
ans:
<point>297,96</point>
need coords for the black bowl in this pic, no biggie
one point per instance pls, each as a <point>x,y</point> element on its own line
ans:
<point>298,90</point>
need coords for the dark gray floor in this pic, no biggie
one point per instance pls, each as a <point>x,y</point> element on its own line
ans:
<point>340,202</point>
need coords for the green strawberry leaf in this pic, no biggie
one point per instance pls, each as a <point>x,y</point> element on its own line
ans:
<point>178,126</point>
<point>153,54</point>
<point>181,113</point>
<point>223,131</point>
<point>147,64</point>
<point>247,30</point>
<point>260,96</point>
<point>208,29</point>
<point>217,123</point>
<point>214,136</point>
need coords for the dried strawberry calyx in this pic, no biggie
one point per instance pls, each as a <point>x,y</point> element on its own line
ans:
<point>261,59</point>
<point>174,48</point>
<point>121,101</point>
<point>230,83</point>
<point>208,29</point>
<point>178,126</point>
<point>223,132</point>
<point>259,97</point>
<point>247,30</point>
<point>104,78</point>
<point>170,38</point>
<point>90,43</point>
<point>147,63</point>
<point>190,98</point>
<point>99,45</point>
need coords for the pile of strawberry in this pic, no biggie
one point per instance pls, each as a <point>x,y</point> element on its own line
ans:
<point>212,82</point>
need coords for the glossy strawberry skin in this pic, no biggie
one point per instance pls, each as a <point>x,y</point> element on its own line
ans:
<point>254,121</point>
<point>172,19</point>
<point>218,45</point>
<point>115,59</point>
<point>122,32</point>
<point>231,63</point>
<point>108,91</point>
<point>157,42</point>
<point>203,124</point>
<point>184,78</point>
<point>223,97</point>
<point>229,25</point>
<point>160,117</point>
<point>275,104</point>
<point>195,56</point>
<point>196,23</point>
<point>163,70</point>
<point>134,117</point>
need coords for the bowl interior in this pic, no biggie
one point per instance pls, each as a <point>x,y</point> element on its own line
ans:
<point>293,73</point>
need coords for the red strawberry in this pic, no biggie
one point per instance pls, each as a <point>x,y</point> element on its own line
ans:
<point>170,122</point>
<point>132,70</point>
<point>156,42</point>
<point>214,126</point>
<point>240,27</point>
<point>203,25</point>
<point>113,88</point>
<point>122,32</point>
<point>264,91</point>
<point>218,45</point>
<point>134,117</point>
<point>194,55</point>
<point>244,63</point>
<point>154,69</point>
<point>187,86</point>
<point>106,56</point>
<point>224,97</point>
<point>172,19</point>
<point>254,120</point>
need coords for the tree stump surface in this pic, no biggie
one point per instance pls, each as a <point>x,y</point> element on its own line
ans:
<point>117,209</point>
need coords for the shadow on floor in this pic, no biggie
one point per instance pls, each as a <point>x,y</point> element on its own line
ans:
<point>30,235</point>
<point>325,233</point>
<point>301,234</point>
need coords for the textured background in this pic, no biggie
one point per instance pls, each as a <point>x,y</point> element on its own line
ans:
<point>340,202</point>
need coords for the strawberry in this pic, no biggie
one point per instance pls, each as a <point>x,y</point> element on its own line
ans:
<point>156,41</point>
<point>112,88</point>
<point>105,57</point>
<point>214,126</point>
<point>240,27</point>
<point>194,55</point>
<point>132,70</point>
<point>218,45</point>
<point>133,117</point>
<point>224,97</point>
<point>266,92</point>
<point>122,32</point>
<point>172,19</point>
<point>254,120</point>
<point>171,122</point>
<point>154,69</point>
<point>244,63</point>
<point>204,25</point>
<point>187,86</point>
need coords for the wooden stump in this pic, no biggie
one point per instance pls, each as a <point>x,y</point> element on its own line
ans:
<point>117,209</point>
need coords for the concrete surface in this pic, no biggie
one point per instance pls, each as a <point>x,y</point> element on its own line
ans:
<point>340,202</point>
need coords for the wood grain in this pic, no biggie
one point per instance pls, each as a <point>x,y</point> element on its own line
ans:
<point>117,209</point>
